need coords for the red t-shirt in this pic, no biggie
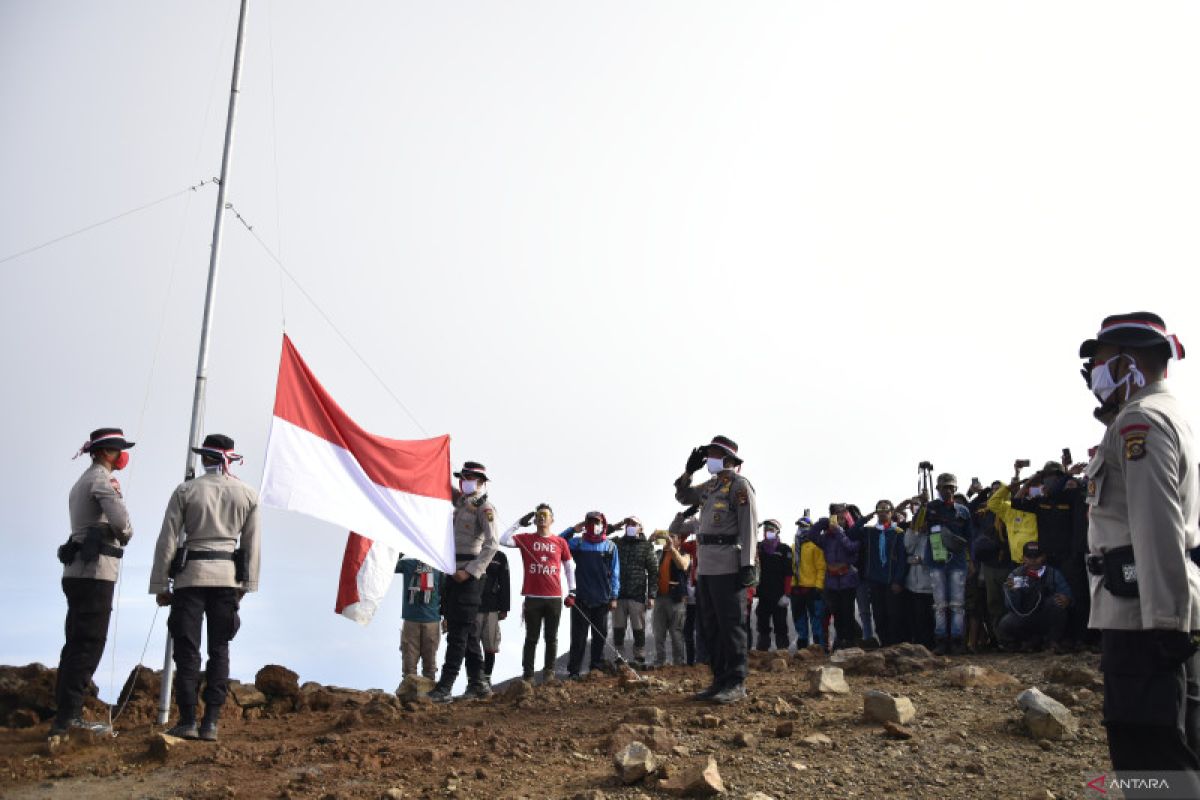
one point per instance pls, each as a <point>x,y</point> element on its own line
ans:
<point>542,557</point>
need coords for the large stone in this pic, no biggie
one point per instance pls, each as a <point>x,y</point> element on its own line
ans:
<point>656,737</point>
<point>827,680</point>
<point>874,663</point>
<point>883,707</point>
<point>845,654</point>
<point>1074,675</point>
<point>246,695</point>
<point>701,779</point>
<point>818,740</point>
<point>1045,717</point>
<point>414,686</point>
<point>162,745</point>
<point>972,676</point>
<point>276,681</point>
<point>634,762</point>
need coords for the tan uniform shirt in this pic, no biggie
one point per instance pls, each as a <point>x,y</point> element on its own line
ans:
<point>96,500</point>
<point>1142,490</point>
<point>728,507</point>
<point>210,513</point>
<point>474,533</point>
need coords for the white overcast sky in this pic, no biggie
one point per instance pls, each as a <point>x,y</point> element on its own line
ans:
<point>580,238</point>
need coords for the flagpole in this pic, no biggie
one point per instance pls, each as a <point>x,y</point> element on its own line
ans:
<point>164,696</point>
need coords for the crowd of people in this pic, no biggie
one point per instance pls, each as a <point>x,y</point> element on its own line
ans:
<point>1000,567</point>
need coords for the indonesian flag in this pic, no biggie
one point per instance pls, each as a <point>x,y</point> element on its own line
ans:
<point>394,493</point>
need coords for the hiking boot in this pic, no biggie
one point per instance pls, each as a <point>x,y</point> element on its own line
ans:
<point>208,732</point>
<point>527,677</point>
<point>184,730</point>
<point>58,728</point>
<point>477,690</point>
<point>707,694</point>
<point>548,676</point>
<point>731,694</point>
<point>441,694</point>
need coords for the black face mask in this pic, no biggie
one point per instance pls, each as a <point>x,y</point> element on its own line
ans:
<point>1052,484</point>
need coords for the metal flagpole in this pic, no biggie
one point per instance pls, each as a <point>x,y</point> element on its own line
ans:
<point>164,696</point>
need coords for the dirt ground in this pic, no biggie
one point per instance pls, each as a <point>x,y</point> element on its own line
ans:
<point>554,741</point>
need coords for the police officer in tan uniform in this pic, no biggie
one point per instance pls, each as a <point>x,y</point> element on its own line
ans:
<point>475,542</point>
<point>205,561</point>
<point>726,540</point>
<point>100,529</point>
<point>1144,504</point>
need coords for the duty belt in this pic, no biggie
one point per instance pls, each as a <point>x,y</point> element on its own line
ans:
<point>466,556</point>
<point>110,550</point>
<point>209,555</point>
<point>718,538</point>
<point>1117,571</point>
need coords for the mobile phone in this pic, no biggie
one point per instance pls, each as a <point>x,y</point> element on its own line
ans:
<point>1066,457</point>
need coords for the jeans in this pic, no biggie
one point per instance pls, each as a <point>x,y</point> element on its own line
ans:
<point>540,612</point>
<point>668,624</point>
<point>862,599</point>
<point>949,601</point>
<point>585,620</point>
<point>808,612</point>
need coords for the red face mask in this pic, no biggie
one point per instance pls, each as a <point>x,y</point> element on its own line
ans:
<point>122,460</point>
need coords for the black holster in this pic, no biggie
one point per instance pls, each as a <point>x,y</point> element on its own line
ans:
<point>1120,572</point>
<point>93,539</point>
<point>241,565</point>
<point>67,552</point>
<point>178,562</point>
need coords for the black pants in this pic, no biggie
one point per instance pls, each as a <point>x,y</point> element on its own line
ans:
<point>540,612</point>
<point>1146,707</point>
<point>189,609</point>
<point>771,615</point>
<point>689,633</point>
<point>919,611</point>
<point>722,603</point>
<point>1047,623</point>
<point>89,604</point>
<point>1074,569</point>
<point>841,605</point>
<point>887,608</point>
<point>585,620</point>
<point>461,603</point>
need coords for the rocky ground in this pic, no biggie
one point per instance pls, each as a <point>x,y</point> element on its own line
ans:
<point>803,732</point>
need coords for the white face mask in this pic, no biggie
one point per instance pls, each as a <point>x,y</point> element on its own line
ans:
<point>631,530</point>
<point>1035,491</point>
<point>468,486</point>
<point>1103,384</point>
<point>771,533</point>
<point>715,465</point>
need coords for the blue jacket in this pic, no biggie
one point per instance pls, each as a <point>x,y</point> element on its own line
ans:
<point>886,559</point>
<point>1024,599</point>
<point>597,569</point>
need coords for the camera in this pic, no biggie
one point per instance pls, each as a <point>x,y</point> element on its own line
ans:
<point>925,466</point>
<point>1023,463</point>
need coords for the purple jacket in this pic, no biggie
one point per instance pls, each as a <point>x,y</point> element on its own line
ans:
<point>841,550</point>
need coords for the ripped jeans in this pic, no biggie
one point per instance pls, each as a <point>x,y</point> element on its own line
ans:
<point>949,593</point>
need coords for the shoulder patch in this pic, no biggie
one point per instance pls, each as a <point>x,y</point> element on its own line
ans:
<point>490,514</point>
<point>743,497</point>
<point>1135,447</point>
<point>116,485</point>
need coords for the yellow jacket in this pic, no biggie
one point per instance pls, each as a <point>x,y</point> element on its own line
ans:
<point>808,565</point>
<point>1021,525</point>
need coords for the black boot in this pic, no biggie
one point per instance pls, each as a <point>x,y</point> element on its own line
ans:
<point>185,728</point>
<point>208,725</point>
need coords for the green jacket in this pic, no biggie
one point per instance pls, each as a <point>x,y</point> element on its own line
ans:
<point>639,565</point>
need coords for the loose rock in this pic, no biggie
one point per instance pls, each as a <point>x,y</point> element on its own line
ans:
<point>276,681</point>
<point>817,740</point>
<point>785,729</point>
<point>882,707</point>
<point>1045,717</point>
<point>827,680</point>
<point>162,745</point>
<point>697,780</point>
<point>634,762</point>
<point>895,731</point>
<point>972,676</point>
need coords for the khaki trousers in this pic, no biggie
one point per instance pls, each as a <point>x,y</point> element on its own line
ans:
<point>419,643</point>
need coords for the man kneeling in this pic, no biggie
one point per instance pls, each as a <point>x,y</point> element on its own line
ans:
<point>1036,596</point>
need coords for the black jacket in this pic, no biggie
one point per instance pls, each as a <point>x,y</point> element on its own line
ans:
<point>495,585</point>
<point>776,573</point>
<point>1062,521</point>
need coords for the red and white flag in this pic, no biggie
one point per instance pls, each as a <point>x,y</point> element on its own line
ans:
<point>394,493</point>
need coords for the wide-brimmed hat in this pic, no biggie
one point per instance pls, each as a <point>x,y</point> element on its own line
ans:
<point>726,445</point>
<point>1140,329</point>
<point>472,469</point>
<point>106,439</point>
<point>217,446</point>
